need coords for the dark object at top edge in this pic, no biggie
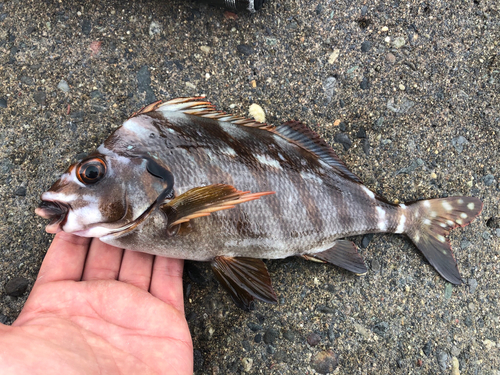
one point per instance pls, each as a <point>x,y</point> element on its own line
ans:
<point>237,5</point>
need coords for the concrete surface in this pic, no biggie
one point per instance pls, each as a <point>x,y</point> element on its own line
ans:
<point>406,91</point>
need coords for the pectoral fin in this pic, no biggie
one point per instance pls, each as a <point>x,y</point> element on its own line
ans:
<point>245,279</point>
<point>202,201</point>
<point>343,254</point>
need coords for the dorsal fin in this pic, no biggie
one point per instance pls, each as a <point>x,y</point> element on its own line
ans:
<point>195,106</point>
<point>294,131</point>
<point>299,133</point>
<point>149,108</point>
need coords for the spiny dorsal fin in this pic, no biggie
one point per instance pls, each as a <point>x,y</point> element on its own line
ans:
<point>311,141</point>
<point>197,107</point>
<point>294,131</point>
<point>149,108</point>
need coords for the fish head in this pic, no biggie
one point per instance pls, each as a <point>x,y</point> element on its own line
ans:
<point>101,194</point>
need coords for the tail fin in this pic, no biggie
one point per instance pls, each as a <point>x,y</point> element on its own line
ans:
<point>429,224</point>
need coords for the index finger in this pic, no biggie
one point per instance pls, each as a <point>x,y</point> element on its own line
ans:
<point>64,259</point>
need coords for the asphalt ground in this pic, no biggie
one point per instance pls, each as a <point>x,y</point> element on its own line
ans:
<point>407,93</point>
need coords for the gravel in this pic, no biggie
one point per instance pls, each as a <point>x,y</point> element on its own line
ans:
<point>449,67</point>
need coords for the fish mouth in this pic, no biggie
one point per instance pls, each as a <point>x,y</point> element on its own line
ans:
<point>56,212</point>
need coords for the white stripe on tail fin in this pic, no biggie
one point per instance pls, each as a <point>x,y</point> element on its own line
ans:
<point>430,222</point>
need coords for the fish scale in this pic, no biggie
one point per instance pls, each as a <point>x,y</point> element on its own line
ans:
<point>182,180</point>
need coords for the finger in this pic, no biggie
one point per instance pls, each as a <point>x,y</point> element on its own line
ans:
<point>136,269</point>
<point>64,259</point>
<point>103,261</point>
<point>166,281</point>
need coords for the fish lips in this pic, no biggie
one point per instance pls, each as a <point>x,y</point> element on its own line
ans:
<point>56,212</point>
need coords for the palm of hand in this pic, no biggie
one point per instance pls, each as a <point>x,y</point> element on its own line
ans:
<point>102,325</point>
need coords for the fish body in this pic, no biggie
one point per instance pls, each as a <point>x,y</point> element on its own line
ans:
<point>181,180</point>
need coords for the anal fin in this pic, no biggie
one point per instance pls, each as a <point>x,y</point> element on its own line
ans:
<point>246,279</point>
<point>343,254</point>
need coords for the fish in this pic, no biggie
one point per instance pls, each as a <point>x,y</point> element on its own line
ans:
<point>182,180</point>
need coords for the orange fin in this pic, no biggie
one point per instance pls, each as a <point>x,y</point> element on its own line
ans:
<point>343,254</point>
<point>246,279</point>
<point>195,106</point>
<point>202,201</point>
<point>149,108</point>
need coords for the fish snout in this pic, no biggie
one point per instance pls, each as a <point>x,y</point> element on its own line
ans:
<point>56,212</point>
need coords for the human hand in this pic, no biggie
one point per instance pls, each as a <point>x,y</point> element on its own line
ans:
<point>96,309</point>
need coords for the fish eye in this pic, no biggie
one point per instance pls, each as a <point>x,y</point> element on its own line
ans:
<point>91,171</point>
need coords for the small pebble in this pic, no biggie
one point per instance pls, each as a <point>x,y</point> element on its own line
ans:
<point>86,27</point>
<point>493,222</point>
<point>3,319</point>
<point>381,328</point>
<point>366,46</point>
<point>254,326</point>
<point>329,85</point>
<point>257,112</point>
<point>399,42</point>
<point>333,56</point>
<point>16,286</point>
<point>361,133</point>
<point>366,240</point>
<point>455,352</point>
<point>375,266</point>
<point>488,344</point>
<point>384,29</point>
<point>427,349</point>
<point>144,84</point>
<point>442,358</point>
<point>402,87</point>
<point>247,364</point>
<point>433,175</point>
<point>448,290</point>
<point>205,49</point>
<point>455,366</point>
<point>289,335</point>
<point>458,143</point>
<point>324,362</point>
<point>3,103</point>
<point>488,179</point>
<point>472,285</point>
<point>154,28</point>
<point>20,191</point>
<point>344,140</point>
<point>63,86</point>
<point>246,345</point>
<point>366,146</point>
<point>271,336</point>
<point>258,338</point>
<point>497,231</point>
<point>313,339</point>
<point>365,84</point>
<point>325,309</point>
<point>245,49</point>
<point>40,97</point>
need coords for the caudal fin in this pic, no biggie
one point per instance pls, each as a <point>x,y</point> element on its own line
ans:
<point>429,224</point>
